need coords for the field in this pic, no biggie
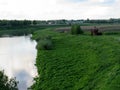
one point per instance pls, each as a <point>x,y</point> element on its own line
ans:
<point>79,62</point>
<point>103,28</point>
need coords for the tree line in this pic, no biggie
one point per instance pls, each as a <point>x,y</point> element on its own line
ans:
<point>22,23</point>
<point>14,23</point>
<point>109,21</point>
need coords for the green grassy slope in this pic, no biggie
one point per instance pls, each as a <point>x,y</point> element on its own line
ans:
<point>78,62</point>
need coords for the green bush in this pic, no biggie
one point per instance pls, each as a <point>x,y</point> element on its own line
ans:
<point>45,44</point>
<point>6,84</point>
<point>76,29</point>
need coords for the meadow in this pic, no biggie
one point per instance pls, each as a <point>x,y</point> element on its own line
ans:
<point>78,62</point>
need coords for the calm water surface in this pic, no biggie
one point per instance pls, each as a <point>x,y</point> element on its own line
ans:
<point>17,59</point>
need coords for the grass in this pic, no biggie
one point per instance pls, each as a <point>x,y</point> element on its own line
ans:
<point>78,62</point>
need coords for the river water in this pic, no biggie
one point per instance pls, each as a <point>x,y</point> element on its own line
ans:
<point>17,59</point>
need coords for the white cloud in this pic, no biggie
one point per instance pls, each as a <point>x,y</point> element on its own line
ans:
<point>58,9</point>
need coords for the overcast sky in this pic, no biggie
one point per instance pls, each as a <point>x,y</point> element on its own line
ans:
<point>59,9</point>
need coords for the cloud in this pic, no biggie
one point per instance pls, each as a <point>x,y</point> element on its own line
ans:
<point>76,1</point>
<point>58,9</point>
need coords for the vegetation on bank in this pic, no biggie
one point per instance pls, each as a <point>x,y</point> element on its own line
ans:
<point>45,43</point>
<point>18,31</point>
<point>6,84</point>
<point>81,62</point>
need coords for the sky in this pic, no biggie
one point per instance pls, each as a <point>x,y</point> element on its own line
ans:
<point>59,9</point>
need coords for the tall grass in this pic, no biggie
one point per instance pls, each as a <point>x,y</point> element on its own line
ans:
<point>78,63</point>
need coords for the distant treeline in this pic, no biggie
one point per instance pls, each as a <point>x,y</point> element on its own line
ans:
<point>103,21</point>
<point>23,23</point>
<point>23,27</point>
<point>14,23</point>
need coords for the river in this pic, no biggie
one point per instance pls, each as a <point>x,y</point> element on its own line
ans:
<point>17,59</point>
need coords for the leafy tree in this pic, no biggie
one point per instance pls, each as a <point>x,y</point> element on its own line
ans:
<point>34,22</point>
<point>27,22</point>
<point>6,84</point>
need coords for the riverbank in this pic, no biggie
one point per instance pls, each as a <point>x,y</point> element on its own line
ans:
<point>78,62</point>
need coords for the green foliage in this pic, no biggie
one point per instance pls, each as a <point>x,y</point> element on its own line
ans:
<point>45,44</point>
<point>18,31</point>
<point>14,23</point>
<point>34,22</point>
<point>6,84</point>
<point>78,63</point>
<point>75,29</point>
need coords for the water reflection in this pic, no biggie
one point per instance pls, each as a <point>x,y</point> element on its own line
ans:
<point>17,58</point>
<point>24,79</point>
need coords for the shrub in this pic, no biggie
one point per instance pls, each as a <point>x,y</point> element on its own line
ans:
<point>7,84</point>
<point>42,37</point>
<point>45,44</point>
<point>76,29</point>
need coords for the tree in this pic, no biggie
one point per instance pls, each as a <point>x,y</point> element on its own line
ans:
<point>6,84</point>
<point>76,29</point>
<point>34,22</point>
